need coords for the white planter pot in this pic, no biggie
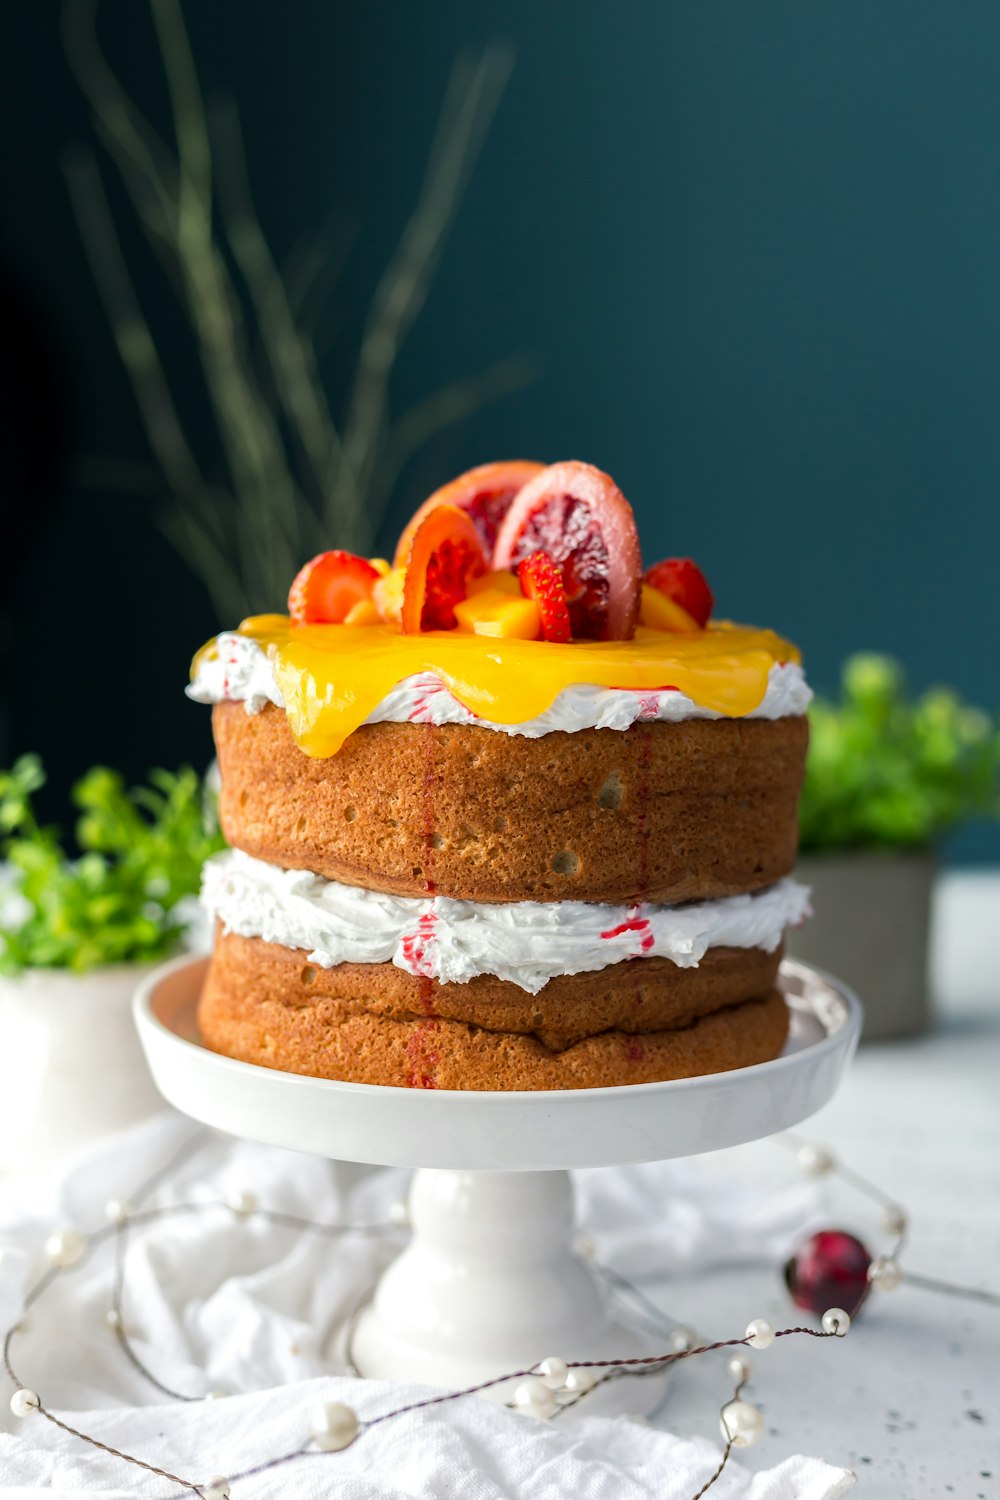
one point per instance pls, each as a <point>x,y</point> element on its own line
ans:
<point>71,1068</point>
<point>871,927</point>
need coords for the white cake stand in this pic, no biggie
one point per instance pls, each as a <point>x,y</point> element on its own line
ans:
<point>490,1281</point>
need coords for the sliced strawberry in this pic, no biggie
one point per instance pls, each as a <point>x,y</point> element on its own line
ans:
<point>582,520</point>
<point>542,581</point>
<point>683,581</point>
<point>445,555</point>
<point>484,493</point>
<point>327,588</point>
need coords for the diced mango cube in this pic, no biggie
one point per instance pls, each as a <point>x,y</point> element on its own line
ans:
<point>387,595</point>
<point>362,613</point>
<point>496,612</point>
<point>660,613</point>
<point>381,565</point>
<point>506,583</point>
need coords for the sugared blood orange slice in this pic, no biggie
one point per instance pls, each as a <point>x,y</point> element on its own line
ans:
<point>445,555</point>
<point>542,581</point>
<point>683,581</point>
<point>329,586</point>
<point>582,520</point>
<point>484,494</point>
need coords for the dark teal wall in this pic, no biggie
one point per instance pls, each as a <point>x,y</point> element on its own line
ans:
<point>755,246</point>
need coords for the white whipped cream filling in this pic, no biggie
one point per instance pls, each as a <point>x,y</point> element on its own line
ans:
<point>240,671</point>
<point>526,942</point>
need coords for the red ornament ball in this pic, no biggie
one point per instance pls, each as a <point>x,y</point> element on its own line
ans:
<point>829,1270</point>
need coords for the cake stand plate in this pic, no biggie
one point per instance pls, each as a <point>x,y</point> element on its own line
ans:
<point>489,1281</point>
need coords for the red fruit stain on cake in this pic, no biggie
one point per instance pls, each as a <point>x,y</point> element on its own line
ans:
<point>421,1059</point>
<point>682,580</point>
<point>580,518</point>
<point>419,947</point>
<point>636,924</point>
<point>542,581</point>
<point>634,1050</point>
<point>445,555</point>
<point>649,706</point>
<point>484,493</point>
<point>329,586</point>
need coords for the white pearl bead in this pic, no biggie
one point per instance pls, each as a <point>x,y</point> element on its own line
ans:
<point>835,1320</point>
<point>535,1399</point>
<point>759,1334</point>
<point>893,1219</point>
<point>885,1273</point>
<point>244,1202</point>
<point>334,1426</point>
<point>65,1247</point>
<point>740,1368</point>
<point>24,1402</point>
<point>216,1489</point>
<point>585,1247</point>
<point>579,1382</point>
<point>216,1395</point>
<point>814,1161</point>
<point>741,1424</point>
<point>682,1339</point>
<point>113,1318</point>
<point>399,1214</point>
<point>116,1209</point>
<point>552,1372</point>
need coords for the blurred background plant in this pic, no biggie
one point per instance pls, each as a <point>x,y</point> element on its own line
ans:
<point>298,477</point>
<point>887,771</point>
<point>123,899</point>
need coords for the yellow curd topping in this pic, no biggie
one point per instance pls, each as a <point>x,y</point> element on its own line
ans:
<point>332,677</point>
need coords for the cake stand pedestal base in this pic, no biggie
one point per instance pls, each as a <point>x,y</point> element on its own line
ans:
<point>490,1283</point>
<point>491,1268</point>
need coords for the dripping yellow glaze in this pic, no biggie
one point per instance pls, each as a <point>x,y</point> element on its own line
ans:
<point>331,677</point>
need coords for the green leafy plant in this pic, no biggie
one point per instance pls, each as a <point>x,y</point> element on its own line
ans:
<point>888,771</point>
<point>118,902</point>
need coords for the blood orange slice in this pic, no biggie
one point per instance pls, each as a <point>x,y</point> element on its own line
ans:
<point>445,555</point>
<point>582,520</point>
<point>484,494</point>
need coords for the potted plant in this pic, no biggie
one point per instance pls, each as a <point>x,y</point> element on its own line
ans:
<point>76,933</point>
<point>888,777</point>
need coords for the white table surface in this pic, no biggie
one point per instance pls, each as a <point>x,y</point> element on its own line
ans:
<point>911,1398</point>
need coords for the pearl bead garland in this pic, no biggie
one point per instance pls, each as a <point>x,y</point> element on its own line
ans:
<point>760,1334</point>
<point>334,1426</point>
<point>552,1373</point>
<point>534,1398</point>
<point>884,1273</point>
<point>216,1489</point>
<point>399,1214</point>
<point>893,1219</point>
<point>740,1368</point>
<point>814,1161</point>
<point>24,1402</point>
<point>116,1210</point>
<point>579,1382</point>
<point>65,1247</point>
<point>682,1339</point>
<point>243,1202</point>
<point>741,1424</point>
<point>836,1321</point>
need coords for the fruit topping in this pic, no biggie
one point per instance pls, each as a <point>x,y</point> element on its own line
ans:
<point>327,588</point>
<point>581,519</point>
<point>542,581</point>
<point>485,494</point>
<point>499,613</point>
<point>445,555</point>
<point>682,580</point>
<point>387,596</point>
<point>659,612</point>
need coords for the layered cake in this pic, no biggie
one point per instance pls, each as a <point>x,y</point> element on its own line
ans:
<point>507,813</point>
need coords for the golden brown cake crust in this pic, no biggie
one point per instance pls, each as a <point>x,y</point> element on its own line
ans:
<point>659,812</point>
<point>325,1038</point>
<point>637,996</point>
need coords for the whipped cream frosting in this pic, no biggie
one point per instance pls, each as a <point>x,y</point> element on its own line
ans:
<point>525,942</point>
<point>239,671</point>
